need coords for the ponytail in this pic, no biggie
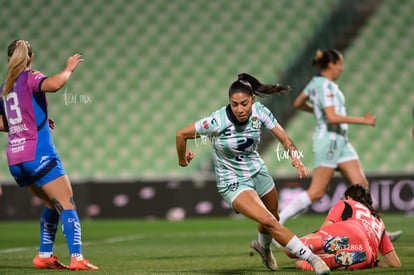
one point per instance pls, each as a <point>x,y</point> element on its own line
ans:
<point>249,84</point>
<point>19,52</point>
<point>323,58</point>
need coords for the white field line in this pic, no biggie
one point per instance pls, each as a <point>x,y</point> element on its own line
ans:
<point>113,240</point>
<point>108,241</point>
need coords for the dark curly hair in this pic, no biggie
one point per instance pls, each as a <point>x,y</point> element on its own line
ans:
<point>360,193</point>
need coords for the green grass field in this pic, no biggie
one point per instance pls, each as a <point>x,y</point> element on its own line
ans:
<point>193,246</point>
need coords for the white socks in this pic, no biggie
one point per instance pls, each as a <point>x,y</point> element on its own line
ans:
<point>294,207</point>
<point>79,257</point>
<point>45,255</point>
<point>300,250</point>
<point>264,240</point>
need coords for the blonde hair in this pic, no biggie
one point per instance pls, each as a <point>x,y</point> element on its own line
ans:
<point>20,53</point>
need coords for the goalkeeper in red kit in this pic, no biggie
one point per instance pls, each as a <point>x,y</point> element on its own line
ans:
<point>352,235</point>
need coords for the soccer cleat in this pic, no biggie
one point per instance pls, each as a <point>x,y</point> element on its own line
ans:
<point>395,235</point>
<point>81,265</point>
<point>267,256</point>
<point>48,263</point>
<point>347,258</point>
<point>334,244</point>
<point>320,266</point>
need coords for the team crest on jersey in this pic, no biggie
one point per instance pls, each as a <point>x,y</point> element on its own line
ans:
<point>34,72</point>
<point>255,123</point>
<point>330,95</point>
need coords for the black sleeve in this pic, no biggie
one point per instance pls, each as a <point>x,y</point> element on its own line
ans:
<point>347,213</point>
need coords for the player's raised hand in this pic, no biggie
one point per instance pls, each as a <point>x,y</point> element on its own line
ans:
<point>51,124</point>
<point>73,62</point>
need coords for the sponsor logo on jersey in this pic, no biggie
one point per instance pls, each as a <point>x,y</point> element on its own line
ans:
<point>18,129</point>
<point>205,125</point>
<point>17,149</point>
<point>18,141</point>
<point>212,124</point>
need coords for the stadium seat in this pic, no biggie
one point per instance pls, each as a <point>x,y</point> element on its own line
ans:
<point>375,79</point>
<point>152,67</point>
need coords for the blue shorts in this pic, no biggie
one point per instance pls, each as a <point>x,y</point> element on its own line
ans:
<point>40,171</point>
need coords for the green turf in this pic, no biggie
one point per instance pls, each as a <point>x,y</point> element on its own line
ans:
<point>193,246</point>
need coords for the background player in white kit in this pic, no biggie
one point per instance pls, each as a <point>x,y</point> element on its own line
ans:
<point>243,179</point>
<point>331,147</point>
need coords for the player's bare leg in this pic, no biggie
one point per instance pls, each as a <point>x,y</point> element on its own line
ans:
<point>249,204</point>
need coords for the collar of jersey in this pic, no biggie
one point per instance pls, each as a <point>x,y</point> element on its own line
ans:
<point>233,118</point>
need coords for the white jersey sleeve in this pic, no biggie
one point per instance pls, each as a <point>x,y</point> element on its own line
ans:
<point>266,116</point>
<point>209,126</point>
<point>327,96</point>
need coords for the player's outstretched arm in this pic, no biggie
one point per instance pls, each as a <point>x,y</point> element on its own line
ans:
<point>54,83</point>
<point>3,124</point>
<point>301,103</point>
<point>290,147</point>
<point>334,118</point>
<point>188,132</point>
<point>390,260</point>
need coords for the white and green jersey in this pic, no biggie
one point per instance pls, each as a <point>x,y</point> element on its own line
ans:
<point>235,145</point>
<point>322,93</point>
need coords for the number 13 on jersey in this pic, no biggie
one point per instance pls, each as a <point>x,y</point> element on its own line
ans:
<point>12,96</point>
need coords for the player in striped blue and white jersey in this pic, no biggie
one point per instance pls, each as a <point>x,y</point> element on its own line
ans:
<point>243,179</point>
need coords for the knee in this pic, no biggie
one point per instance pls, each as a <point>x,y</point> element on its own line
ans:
<point>61,205</point>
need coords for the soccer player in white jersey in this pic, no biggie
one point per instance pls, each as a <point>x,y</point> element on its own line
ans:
<point>332,150</point>
<point>243,179</point>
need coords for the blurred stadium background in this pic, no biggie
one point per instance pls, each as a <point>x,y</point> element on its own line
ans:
<point>152,67</point>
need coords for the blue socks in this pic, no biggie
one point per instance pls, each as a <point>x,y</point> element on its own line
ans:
<point>49,222</point>
<point>72,230</point>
